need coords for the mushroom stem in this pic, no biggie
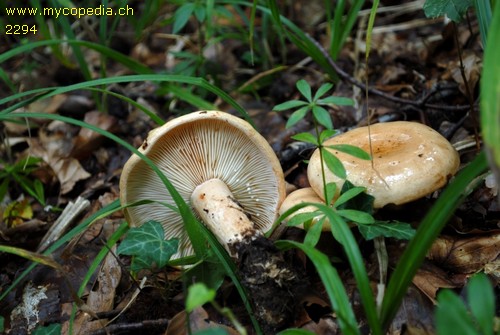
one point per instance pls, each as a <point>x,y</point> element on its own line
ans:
<point>224,216</point>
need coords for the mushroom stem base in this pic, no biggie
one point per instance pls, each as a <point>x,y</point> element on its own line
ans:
<point>222,214</point>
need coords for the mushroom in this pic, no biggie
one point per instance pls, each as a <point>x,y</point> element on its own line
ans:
<point>218,163</point>
<point>299,196</point>
<point>410,160</point>
<point>234,182</point>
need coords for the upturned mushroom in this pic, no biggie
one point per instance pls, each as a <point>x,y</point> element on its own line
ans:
<point>217,162</point>
<point>410,160</point>
<point>235,184</point>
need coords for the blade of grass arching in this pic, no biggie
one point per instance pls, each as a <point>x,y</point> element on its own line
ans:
<point>159,121</point>
<point>5,78</point>
<point>303,42</point>
<point>369,29</point>
<point>196,231</point>
<point>332,283</point>
<point>41,24</point>
<point>343,234</point>
<point>96,262</point>
<point>128,62</point>
<point>132,78</point>
<point>190,221</point>
<point>336,28</point>
<point>102,213</point>
<point>251,30</point>
<point>63,22</point>
<point>490,95</point>
<point>483,12</point>
<point>189,97</point>
<point>344,27</point>
<point>426,234</point>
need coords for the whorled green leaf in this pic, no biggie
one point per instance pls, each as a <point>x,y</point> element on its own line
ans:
<point>289,105</point>
<point>326,134</point>
<point>304,89</point>
<point>356,216</point>
<point>148,246</point>
<point>306,137</point>
<point>302,218</point>
<point>348,195</point>
<point>338,101</point>
<point>322,116</point>
<point>314,232</point>
<point>394,229</point>
<point>296,116</point>
<point>351,150</point>
<point>453,9</point>
<point>333,163</point>
<point>322,90</point>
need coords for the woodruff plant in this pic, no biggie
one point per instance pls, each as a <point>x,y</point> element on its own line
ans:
<point>315,104</point>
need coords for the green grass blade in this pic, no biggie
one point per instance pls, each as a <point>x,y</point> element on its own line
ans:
<point>159,121</point>
<point>490,94</point>
<point>112,240</point>
<point>333,285</point>
<point>124,79</point>
<point>130,63</point>
<point>369,29</point>
<point>483,12</point>
<point>426,234</point>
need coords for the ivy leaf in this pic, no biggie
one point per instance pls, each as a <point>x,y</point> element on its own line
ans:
<point>148,246</point>
<point>395,229</point>
<point>454,9</point>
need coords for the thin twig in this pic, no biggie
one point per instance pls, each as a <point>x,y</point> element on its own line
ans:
<point>417,103</point>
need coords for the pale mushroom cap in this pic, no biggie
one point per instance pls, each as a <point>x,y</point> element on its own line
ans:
<point>412,158</point>
<point>192,149</point>
<point>299,196</point>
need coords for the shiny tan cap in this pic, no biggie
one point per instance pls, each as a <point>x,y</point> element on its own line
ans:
<point>412,160</point>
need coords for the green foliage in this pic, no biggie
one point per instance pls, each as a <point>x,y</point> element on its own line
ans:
<point>453,9</point>
<point>475,316</point>
<point>394,229</point>
<point>490,96</point>
<point>148,247</point>
<point>19,173</point>
<point>198,295</point>
<point>53,329</point>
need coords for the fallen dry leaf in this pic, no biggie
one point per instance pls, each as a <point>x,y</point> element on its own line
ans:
<point>429,279</point>
<point>54,146</point>
<point>465,255</point>
<point>198,320</point>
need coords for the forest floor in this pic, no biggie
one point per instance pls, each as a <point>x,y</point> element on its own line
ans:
<point>415,66</point>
